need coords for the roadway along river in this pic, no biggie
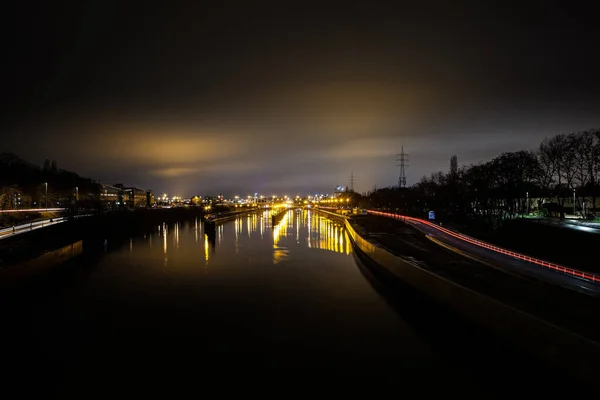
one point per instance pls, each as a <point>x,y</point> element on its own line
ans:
<point>259,307</point>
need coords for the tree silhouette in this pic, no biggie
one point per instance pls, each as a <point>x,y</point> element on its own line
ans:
<point>503,188</point>
<point>453,165</point>
<point>27,181</point>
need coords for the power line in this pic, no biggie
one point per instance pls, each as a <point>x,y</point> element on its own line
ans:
<point>402,162</point>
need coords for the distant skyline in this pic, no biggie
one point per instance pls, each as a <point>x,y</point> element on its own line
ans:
<point>208,99</point>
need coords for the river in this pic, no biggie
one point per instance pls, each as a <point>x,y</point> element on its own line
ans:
<point>173,311</point>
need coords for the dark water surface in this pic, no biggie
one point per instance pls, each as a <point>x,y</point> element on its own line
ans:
<point>258,309</point>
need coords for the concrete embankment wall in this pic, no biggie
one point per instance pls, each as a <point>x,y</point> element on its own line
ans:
<point>39,264</point>
<point>57,256</point>
<point>560,348</point>
<point>338,217</point>
<point>17,249</point>
<point>235,215</point>
<point>275,219</point>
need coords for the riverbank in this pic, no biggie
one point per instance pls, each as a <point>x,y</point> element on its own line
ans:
<point>229,215</point>
<point>570,243</point>
<point>332,214</point>
<point>568,247</point>
<point>554,303</point>
<point>302,309</point>
<point>8,220</point>
<point>92,230</point>
<point>506,305</point>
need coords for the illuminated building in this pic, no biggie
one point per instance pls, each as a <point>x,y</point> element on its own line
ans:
<point>339,190</point>
<point>132,197</point>
<point>109,195</point>
<point>150,200</point>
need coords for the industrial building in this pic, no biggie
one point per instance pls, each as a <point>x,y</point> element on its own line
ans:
<point>118,196</point>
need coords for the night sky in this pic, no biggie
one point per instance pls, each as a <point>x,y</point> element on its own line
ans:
<point>288,98</point>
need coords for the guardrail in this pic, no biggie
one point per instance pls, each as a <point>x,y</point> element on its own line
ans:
<point>334,214</point>
<point>33,225</point>
<point>333,211</point>
<point>32,210</point>
<point>224,216</point>
<point>18,229</point>
<point>548,265</point>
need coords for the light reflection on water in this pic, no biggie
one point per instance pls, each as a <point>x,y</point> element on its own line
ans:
<point>262,225</point>
<point>164,235</point>
<point>298,214</point>
<point>176,235</point>
<point>206,248</point>
<point>238,290</point>
<point>280,253</point>
<point>250,236</point>
<point>219,233</point>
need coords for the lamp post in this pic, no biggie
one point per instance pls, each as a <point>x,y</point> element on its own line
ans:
<point>527,202</point>
<point>574,210</point>
<point>46,183</point>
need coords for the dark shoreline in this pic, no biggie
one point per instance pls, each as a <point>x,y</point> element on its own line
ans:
<point>92,229</point>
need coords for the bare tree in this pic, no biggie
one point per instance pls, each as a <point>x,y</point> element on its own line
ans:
<point>547,169</point>
<point>569,159</point>
<point>588,164</point>
<point>4,198</point>
<point>453,166</point>
<point>558,154</point>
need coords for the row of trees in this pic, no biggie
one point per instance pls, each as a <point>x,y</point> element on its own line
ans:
<point>511,184</point>
<point>23,184</point>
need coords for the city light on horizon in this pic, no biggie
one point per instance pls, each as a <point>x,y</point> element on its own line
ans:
<point>325,111</point>
<point>202,196</point>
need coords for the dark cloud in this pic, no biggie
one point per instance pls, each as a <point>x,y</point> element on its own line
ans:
<point>214,98</point>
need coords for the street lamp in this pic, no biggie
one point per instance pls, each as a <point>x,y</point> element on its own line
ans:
<point>574,210</point>
<point>527,202</point>
<point>46,183</point>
